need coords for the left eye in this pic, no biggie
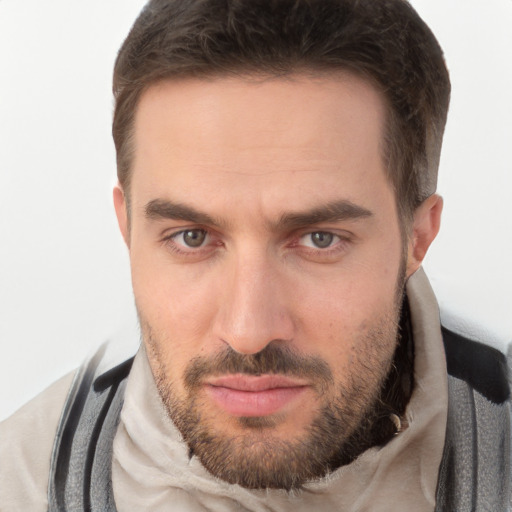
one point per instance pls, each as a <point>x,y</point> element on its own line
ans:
<point>191,238</point>
<point>319,239</point>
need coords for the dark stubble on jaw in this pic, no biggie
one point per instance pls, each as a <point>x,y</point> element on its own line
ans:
<point>352,418</point>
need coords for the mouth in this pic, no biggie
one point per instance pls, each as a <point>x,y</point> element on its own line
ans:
<point>254,396</point>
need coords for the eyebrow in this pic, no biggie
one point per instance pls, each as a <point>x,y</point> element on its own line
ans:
<point>335,211</point>
<point>159,209</point>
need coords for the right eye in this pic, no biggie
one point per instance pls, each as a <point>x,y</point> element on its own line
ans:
<point>190,238</point>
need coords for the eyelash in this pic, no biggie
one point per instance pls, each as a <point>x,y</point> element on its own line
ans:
<point>338,246</point>
<point>170,242</point>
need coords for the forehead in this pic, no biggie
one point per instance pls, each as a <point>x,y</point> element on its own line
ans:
<point>258,134</point>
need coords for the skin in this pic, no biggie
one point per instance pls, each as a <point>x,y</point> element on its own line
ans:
<point>249,161</point>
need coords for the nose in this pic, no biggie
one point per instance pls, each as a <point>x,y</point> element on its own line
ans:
<point>254,310</point>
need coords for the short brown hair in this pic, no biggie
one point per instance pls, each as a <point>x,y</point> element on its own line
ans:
<point>384,41</point>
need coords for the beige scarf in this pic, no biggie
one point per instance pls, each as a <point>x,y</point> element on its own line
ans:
<point>152,470</point>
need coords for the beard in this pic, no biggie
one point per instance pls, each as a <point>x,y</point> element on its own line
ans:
<point>351,417</point>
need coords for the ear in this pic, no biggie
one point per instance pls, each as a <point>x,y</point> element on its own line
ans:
<point>122,213</point>
<point>426,223</point>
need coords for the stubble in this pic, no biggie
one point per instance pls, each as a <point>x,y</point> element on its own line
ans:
<point>352,416</point>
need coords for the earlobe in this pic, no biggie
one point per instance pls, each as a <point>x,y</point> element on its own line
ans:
<point>121,213</point>
<point>426,223</point>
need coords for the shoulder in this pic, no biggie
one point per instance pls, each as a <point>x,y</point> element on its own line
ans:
<point>483,367</point>
<point>26,441</point>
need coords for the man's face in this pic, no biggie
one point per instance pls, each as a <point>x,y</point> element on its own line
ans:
<point>267,267</point>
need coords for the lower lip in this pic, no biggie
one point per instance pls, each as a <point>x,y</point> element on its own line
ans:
<point>254,403</point>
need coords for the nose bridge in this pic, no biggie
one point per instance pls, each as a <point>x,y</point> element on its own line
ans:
<point>254,311</point>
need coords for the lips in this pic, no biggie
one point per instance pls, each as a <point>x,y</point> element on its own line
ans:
<point>252,396</point>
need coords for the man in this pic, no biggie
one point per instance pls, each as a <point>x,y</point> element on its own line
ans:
<point>277,167</point>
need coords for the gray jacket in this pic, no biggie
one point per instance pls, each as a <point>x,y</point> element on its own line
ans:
<point>474,474</point>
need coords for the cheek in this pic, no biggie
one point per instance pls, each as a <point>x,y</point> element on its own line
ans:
<point>337,314</point>
<point>349,296</point>
<point>178,306</point>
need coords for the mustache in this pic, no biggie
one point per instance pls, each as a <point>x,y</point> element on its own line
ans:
<point>273,359</point>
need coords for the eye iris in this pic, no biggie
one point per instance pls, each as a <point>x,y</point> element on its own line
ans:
<point>194,237</point>
<point>322,239</point>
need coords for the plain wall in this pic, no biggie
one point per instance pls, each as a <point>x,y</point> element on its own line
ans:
<point>64,273</point>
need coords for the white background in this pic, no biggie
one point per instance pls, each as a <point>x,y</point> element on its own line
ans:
<point>64,275</point>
